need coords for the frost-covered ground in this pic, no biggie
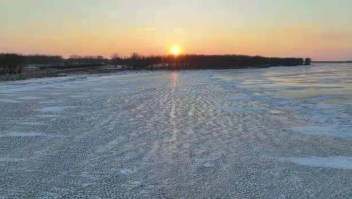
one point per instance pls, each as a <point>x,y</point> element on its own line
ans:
<point>261,133</point>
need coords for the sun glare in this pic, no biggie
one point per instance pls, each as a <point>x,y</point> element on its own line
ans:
<point>175,50</point>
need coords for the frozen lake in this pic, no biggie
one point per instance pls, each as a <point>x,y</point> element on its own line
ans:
<point>258,133</point>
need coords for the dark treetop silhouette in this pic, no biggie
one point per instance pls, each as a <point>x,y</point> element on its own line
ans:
<point>205,62</point>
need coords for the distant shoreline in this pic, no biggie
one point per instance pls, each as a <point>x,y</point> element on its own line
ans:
<point>106,69</point>
<point>332,62</point>
<point>50,72</point>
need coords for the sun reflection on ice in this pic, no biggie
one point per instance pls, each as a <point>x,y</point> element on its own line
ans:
<point>173,80</point>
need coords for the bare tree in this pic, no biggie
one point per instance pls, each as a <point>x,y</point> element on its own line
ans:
<point>115,60</point>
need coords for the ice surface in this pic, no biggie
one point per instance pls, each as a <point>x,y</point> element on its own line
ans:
<point>256,133</point>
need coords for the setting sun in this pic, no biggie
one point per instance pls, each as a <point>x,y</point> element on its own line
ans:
<point>175,50</point>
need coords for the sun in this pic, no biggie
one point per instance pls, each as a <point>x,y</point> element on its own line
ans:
<point>175,50</point>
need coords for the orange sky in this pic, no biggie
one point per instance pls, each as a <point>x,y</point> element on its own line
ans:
<point>306,28</point>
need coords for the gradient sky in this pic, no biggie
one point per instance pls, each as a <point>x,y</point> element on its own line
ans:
<point>321,29</point>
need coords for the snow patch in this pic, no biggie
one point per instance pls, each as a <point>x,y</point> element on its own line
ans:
<point>338,162</point>
<point>55,109</point>
<point>9,101</point>
<point>32,123</point>
<point>30,98</point>
<point>11,159</point>
<point>241,109</point>
<point>23,134</point>
<point>126,172</point>
<point>333,131</point>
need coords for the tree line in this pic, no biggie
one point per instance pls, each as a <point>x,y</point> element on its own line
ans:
<point>136,61</point>
<point>75,59</point>
<point>14,63</point>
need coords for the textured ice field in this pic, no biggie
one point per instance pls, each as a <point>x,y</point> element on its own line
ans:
<point>259,133</point>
